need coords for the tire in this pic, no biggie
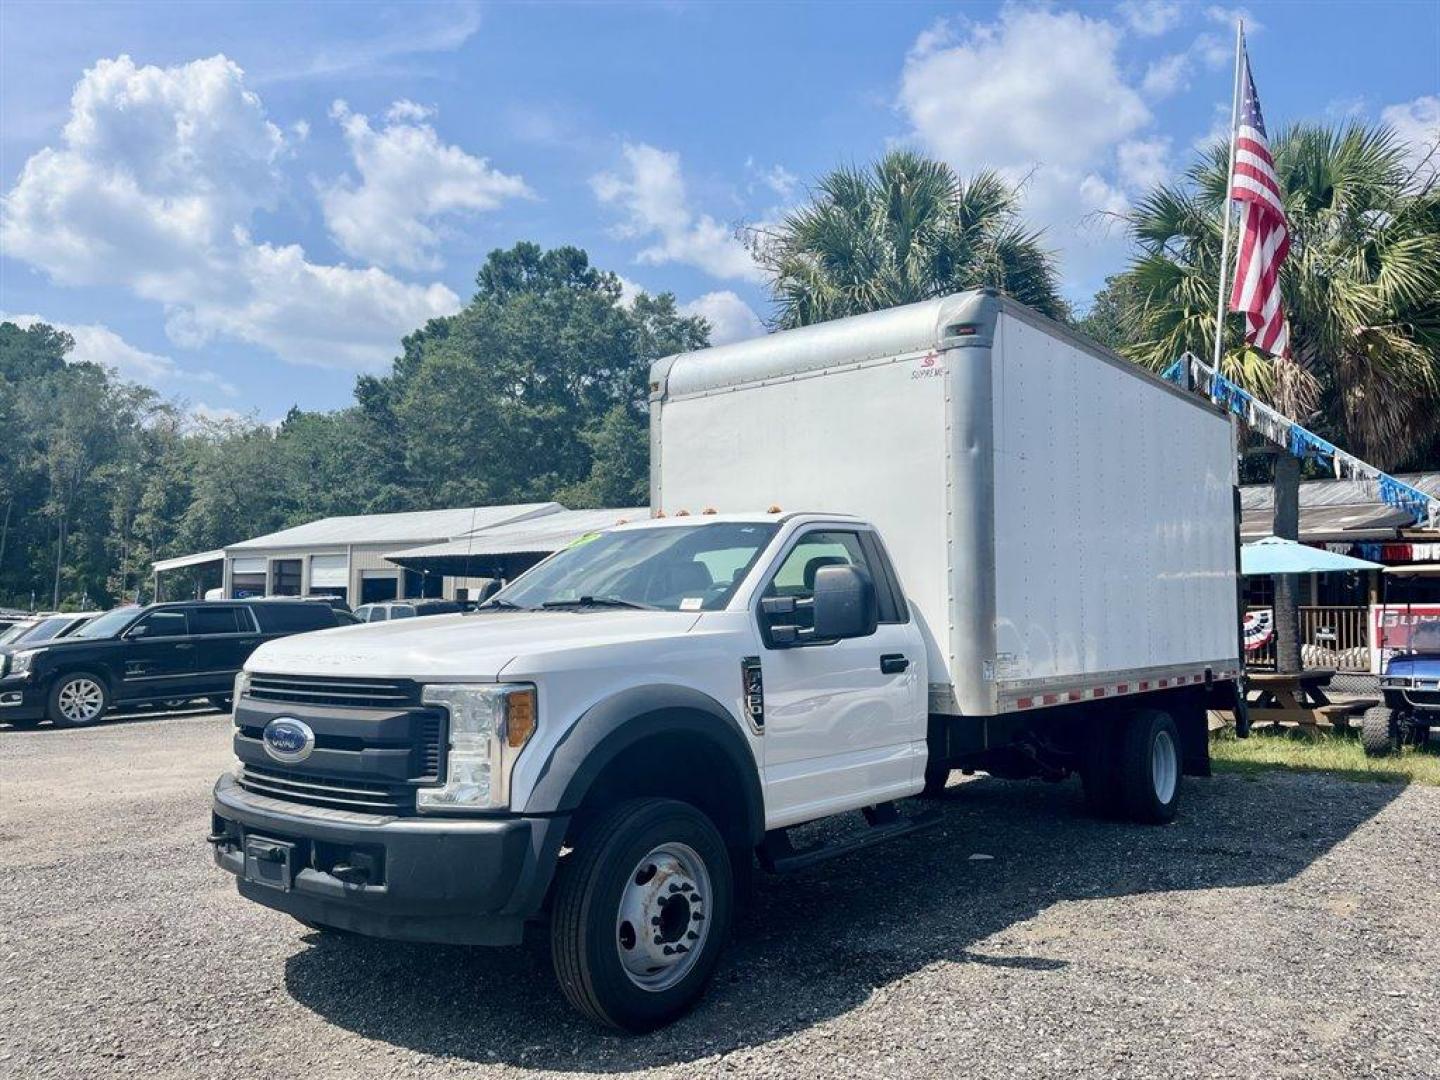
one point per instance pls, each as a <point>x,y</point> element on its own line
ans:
<point>221,702</point>
<point>78,699</point>
<point>641,869</point>
<point>1379,733</point>
<point>1098,771</point>
<point>1149,767</point>
<point>936,777</point>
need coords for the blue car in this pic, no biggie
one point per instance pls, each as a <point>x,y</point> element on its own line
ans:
<point>1411,685</point>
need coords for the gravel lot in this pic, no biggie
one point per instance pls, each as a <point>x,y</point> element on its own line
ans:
<point>1286,926</point>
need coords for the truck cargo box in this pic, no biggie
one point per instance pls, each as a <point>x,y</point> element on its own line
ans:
<point>1064,522</point>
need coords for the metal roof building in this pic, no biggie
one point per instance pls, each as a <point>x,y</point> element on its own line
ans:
<point>508,550</point>
<point>345,556</point>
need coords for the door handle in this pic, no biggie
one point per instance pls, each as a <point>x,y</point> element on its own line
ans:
<point>894,663</point>
<point>184,645</point>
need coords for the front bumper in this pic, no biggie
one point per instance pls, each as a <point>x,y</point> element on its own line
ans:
<point>20,699</point>
<point>473,882</point>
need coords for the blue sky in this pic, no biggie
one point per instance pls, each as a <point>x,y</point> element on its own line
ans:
<point>246,205</point>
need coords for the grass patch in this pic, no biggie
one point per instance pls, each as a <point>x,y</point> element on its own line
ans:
<point>1338,754</point>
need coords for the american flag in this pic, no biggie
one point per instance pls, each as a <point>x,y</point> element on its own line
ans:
<point>1264,238</point>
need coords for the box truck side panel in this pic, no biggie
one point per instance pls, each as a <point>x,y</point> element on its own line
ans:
<point>864,439</point>
<point>1113,502</point>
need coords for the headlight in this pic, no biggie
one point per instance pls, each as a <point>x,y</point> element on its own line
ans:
<point>489,726</point>
<point>20,661</point>
<point>242,686</point>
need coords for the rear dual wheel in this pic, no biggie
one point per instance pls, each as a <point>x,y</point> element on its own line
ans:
<point>1131,767</point>
<point>642,909</point>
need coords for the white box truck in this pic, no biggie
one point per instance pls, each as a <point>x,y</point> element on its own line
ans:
<point>953,535</point>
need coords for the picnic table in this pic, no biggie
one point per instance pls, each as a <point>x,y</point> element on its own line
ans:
<point>1299,698</point>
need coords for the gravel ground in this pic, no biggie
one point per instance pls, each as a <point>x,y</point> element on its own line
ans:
<point>1284,927</point>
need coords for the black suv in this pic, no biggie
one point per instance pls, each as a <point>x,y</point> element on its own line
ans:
<point>163,653</point>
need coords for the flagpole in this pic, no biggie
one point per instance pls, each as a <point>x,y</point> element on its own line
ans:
<point>1229,179</point>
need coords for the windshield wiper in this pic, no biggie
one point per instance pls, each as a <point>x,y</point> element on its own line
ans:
<point>501,605</point>
<point>599,601</point>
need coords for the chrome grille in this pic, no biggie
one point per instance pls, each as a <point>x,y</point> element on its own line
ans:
<point>330,792</point>
<point>354,693</point>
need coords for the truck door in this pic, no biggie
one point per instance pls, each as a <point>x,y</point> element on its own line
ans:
<point>844,721</point>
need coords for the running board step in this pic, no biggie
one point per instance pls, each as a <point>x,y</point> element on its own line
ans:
<point>779,856</point>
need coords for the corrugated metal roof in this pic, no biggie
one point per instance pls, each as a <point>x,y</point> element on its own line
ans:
<point>1314,493</point>
<point>1376,522</point>
<point>182,561</point>
<point>417,527</point>
<point>536,536</point>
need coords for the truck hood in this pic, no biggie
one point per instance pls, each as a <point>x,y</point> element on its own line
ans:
<point>1415,666</point>
<point>474,647</point>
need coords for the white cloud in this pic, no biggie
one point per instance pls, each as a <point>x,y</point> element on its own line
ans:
<point>1143,163</point>
<point>98,344</point>
<point>1038,94</point>
<point>1167,75</point>
<point>413,30</point>
<point>409,179</point>
<point>153,187</point>
<point>657,209</point>
<point>211,414</point>
<point>780,180</point>
<point>730,318</point>
<point>1151,18</point>
<point>1417,124</point>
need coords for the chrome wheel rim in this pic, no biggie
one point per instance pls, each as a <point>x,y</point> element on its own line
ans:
<point>663,921</point>
<point>1164,767</point>
<point>81,701</point>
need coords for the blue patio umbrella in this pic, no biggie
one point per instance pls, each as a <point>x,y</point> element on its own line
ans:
<point>1274,555</point>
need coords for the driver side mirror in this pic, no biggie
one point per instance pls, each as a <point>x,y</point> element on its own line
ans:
<point>842,606</point>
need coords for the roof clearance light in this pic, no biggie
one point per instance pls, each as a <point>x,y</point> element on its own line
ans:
<point>709,510</point>
<point>964,329</point>
<point>773,509</point>
<point>682,513</point>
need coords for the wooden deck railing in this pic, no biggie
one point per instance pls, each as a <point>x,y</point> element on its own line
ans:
<point>1330,637</point>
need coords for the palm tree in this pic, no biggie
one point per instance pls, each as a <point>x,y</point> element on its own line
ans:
<point>906,228</point>
<point>1361,287</point>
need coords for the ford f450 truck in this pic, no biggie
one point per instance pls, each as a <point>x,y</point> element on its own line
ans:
<point>947,536</point>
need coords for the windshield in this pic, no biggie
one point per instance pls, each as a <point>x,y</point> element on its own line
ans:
<point>107,625</point>
<point>670,568</point>
<point>1425,638</point>
<point>46,629</point>
<point>16,632</point>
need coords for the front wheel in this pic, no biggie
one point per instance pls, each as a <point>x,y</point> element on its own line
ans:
<point>78,699</point>
<point>642,909</point>
<point>1379,731</point>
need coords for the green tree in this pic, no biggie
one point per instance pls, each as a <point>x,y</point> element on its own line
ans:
<point>906,228</point>
<point>536,389</point>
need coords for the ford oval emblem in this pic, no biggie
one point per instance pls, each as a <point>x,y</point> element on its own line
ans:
<point>287,739</point>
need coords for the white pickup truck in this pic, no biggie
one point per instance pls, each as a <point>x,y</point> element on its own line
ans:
<point>947,536</point>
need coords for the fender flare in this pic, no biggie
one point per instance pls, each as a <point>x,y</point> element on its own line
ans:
<point>615,724</point>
